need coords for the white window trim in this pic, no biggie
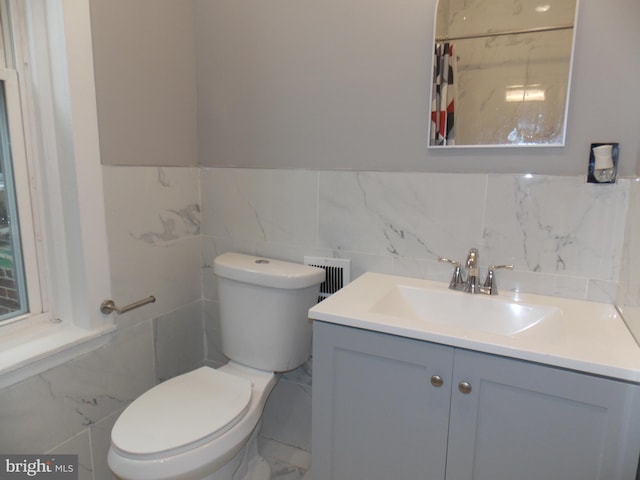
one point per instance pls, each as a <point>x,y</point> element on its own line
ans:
<point>74,244</point>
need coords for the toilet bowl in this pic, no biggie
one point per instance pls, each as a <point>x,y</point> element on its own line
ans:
<point>177,431</point>
<point>203,425</point>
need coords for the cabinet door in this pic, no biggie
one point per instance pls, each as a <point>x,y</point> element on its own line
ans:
<point>376,415</point>
<point>530,422</point>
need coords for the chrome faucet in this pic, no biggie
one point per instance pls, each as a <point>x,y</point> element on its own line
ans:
<point>473,268</point>
<point>471,284</point>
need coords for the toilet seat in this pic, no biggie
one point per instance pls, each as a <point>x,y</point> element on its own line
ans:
<point>181,413</point>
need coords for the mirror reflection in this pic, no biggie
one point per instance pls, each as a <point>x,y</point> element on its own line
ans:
<point>501,72</point>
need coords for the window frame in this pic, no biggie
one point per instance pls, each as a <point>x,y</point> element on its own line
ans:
<point>55,82</point>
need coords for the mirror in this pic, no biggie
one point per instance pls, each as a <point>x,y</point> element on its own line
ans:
<point>501,72</point>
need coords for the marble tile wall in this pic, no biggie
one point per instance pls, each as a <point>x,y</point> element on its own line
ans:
<point>70,408</point>
<point>153,225</point>
<point>564,236</point>
<point>166,225</point>
<point>153,222</point>
<point>629,290</point>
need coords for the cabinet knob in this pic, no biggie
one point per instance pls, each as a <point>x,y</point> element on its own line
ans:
<point>464,387</point>
<point>436,381</point>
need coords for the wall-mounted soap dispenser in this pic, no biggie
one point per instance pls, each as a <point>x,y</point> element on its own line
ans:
<point>603,163</point>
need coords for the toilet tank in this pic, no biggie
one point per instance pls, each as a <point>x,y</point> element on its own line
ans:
<point>264,306</point>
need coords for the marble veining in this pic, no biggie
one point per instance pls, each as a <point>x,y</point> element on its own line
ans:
<point>174,225</point>
<point>402,214</point>
<point>154,218</point>
<point>287,463</point>
<point>260,205</point>
<point>163,179</point>
<point>556,225</point>
<point>564,236</point>
<point>151,206</point>
<point>67,399</point>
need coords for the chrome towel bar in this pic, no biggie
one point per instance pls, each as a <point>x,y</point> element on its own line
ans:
<point>109,306</point>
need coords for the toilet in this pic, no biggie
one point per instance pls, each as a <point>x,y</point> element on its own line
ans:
<point>203,425</point>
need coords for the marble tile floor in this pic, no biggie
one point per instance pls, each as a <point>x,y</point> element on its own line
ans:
<point>287,463</point>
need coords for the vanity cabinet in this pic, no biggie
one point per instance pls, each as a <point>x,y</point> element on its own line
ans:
<point>388,407</point>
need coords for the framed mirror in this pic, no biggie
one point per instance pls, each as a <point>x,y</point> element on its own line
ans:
<point>501,72</point>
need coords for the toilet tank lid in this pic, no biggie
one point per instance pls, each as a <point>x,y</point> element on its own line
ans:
<point>266,271</point>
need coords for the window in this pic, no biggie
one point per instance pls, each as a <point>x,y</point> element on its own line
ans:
<point>20,278</point>
<point>13,291</point>
<point>52,227</point>
<point>20,292</point>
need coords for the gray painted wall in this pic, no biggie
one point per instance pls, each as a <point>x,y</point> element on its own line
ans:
<point>344,85</point>
<point>327,85</point>
<point>144,59</point>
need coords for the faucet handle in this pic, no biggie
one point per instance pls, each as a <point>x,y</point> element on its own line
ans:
<point>446,260</point>
<point>495,267</point>
<point>456,278</point>
<point>489,282</point>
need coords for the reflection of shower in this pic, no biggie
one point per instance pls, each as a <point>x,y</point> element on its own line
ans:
<point>505,32</point>
<point>443,96</point>
<point>525,93</point>
<point>513,69</point>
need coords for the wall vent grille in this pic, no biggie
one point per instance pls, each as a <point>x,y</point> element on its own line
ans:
<point>338,274</point>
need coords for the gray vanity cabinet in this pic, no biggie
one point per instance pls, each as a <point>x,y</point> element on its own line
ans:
<point>528,421</point>
<point>388,407</point>
<point>376,414</point>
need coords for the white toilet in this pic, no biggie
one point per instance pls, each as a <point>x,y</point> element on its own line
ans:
<point>203,425</point>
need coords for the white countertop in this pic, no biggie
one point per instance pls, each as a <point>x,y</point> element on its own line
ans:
<point>584,336</point>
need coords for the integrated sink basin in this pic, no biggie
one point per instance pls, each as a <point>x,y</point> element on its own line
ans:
<point>462,310</point>
<point>574,334</point>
